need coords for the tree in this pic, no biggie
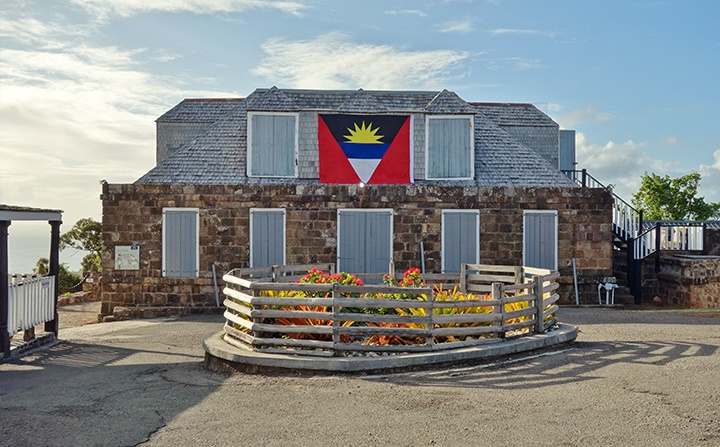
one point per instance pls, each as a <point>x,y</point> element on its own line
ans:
<point>42,266</point>
<point>85,235</point>
<point>665,198</point>
<point>67,280</point>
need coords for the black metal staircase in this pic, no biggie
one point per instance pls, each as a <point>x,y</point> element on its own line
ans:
<point>639,242</point>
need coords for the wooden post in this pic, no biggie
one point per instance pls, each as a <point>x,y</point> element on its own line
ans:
<point>430,340</point>
<point>497,294</point>
<point>584,178</point>
<point>4,295</point>
<point>335,315</point>
<point>52,326</point>
<point>539,300</point>
<point>518,276</point>
<point>255,320</point>
<point>463,281</point>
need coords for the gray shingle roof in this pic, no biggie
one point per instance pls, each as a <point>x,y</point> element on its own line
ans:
<point>362,101</point>
<point>502,161</point>
<point>218,155</point>
<point>449,103</point>
<point>506,114</point>
<point>215,157</point>
<point>199,110</point>
<point>273,100</point>
<point>321,100</point>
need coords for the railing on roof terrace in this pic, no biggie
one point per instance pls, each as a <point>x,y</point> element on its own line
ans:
<point>627,221</point>
<point>676,237</point>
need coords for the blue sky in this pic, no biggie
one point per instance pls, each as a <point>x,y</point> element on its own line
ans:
<point>82,81</point>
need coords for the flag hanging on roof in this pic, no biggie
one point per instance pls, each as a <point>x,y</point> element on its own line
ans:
<point>372,149</point>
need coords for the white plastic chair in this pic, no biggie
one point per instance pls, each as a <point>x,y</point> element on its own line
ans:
<point>609,293</point>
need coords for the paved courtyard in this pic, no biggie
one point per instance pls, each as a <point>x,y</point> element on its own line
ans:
<point>632,378</point>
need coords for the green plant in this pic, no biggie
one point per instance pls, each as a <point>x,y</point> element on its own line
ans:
<point>673,198</point>
<point>85,235</point>
<point>303,321</point>
<point>412,278</point>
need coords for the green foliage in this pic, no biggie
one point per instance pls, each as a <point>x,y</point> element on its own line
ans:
<point>67,280</point>
<point>411,279</point>
<point>85,235</point>
<point>42,267</point>
<point>665,198</point>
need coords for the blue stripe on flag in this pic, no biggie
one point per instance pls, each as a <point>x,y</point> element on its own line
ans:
<point>363,150</point>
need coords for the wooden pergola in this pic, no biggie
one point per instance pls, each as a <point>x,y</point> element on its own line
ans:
<point>8,214</point>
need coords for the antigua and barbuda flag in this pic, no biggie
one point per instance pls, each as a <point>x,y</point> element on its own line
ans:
<point>371,149</point>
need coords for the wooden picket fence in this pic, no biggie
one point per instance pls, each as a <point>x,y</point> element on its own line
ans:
<point>336,320</point>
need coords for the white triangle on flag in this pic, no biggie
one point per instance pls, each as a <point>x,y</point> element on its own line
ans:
<point>364,167</point>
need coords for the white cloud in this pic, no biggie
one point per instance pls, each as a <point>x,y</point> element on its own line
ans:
<point>591,112</point>
<point>623,164</point>
<point>511,63</point>
<point>30,30</point>
<point>527,32</point>
<point>669,141</point>
<point>618,164</point>
<point>73,114</point>
<point>521,63</point>
<point>710,183</point>
<point>125,8</point>
<point>456,26</point>
<point>334,61</point>
<point>414,12</point>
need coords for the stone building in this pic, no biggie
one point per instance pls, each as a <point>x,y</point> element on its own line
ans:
<point>285,177</point>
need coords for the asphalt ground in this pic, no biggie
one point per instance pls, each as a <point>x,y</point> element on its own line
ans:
<point>632,378</point>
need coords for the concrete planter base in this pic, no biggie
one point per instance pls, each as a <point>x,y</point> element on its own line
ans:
<point>219,355</point>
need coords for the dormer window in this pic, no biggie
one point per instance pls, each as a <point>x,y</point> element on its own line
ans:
<point>272,144</point>
<point>449,147</point>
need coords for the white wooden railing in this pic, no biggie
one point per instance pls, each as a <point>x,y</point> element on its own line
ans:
<point>30,302</point>
<point>675,238</point>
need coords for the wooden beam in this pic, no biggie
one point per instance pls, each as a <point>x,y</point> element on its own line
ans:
<point>4,305</point>
<point>52,326</point>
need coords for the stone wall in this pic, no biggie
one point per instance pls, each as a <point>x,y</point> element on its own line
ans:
<point>132,215</point>
<point>689,281</point>
<point>712,242</point>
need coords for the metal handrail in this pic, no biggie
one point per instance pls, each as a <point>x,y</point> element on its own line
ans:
<point>627,220</point>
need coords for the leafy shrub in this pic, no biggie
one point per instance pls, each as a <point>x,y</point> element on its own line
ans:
<point>302,321</point>
<point>412,278</point>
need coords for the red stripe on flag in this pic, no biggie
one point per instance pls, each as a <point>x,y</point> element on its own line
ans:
<point>334,165</point>
<point>394,168</point>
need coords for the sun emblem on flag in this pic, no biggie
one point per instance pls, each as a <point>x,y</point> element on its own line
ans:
<point>364,134</point>
<point>363,149</point>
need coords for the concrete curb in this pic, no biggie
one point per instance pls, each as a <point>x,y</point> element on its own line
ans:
<point>148,312</point>
<point>220,355</point>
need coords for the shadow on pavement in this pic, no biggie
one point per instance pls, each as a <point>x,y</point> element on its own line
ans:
<point>76,393</point>
<point>578,363</point>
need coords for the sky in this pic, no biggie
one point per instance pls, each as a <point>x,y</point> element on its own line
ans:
<point>82,81</point>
